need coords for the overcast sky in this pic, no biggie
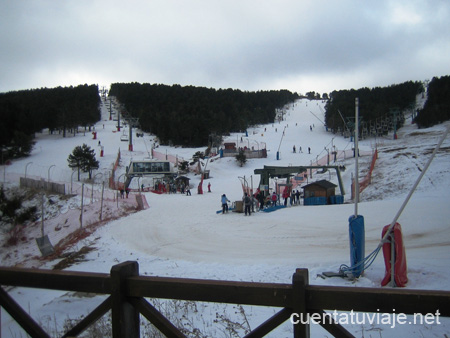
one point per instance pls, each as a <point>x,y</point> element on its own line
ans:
<point>299,45</point>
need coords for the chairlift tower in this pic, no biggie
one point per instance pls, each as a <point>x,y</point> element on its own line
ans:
<point>394,112</point>
<point>133,122</point>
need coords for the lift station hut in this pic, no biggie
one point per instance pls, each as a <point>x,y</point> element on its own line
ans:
<point>321,193</point>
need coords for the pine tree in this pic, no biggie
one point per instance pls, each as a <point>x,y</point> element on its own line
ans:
<point>241,158</point>
<point>90,162</point>
<point>21,144</point>
<point>75,159</point>
<point>83,158</point>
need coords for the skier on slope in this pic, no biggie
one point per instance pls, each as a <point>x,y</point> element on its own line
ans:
<point>225,201</point>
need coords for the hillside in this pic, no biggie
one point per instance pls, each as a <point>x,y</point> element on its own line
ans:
<point>182,236</point>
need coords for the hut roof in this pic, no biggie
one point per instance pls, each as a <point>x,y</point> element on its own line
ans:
<point>184,178</point>
<point>322,183</point>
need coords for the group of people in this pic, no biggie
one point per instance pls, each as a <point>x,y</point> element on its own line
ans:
<point>171,188</point>
<point>123,192</point>
<point>247,201</point>
<point>300,149</point>
<point>293,198</point>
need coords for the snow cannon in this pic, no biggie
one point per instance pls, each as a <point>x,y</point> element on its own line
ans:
<point>357,244</point>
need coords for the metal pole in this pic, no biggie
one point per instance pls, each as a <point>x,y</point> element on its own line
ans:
<point>101,204</point>
<point>253,205</point>
<point>118,180</point>
<point>92,191</point>
<point>356,157</point>
<point>118,120</point>
<point>4,168</point>
<point>392,260</point>
<point>49,171</point>
<point>82,197</point>
<point>93,182</point>
<point>71,180</point>
<point>26,167</point>
<point>43,214</point>
<point>130,136</point>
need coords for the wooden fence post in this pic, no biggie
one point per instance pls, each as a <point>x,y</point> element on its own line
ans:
<point>125,318</point>
<point>300,280</point>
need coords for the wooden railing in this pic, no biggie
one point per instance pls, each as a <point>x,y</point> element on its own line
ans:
<point>127,292</point>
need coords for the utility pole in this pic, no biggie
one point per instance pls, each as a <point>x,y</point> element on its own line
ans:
<point>130,136</point>
<point>356,157</point>
<point>82,197</point>
<point>110,109</point>
<point>43,215</point>
<point>101,203</point>
<point>118,121</point>
<point>395,124</point>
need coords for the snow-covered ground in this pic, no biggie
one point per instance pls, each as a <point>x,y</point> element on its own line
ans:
<point>182,236</point>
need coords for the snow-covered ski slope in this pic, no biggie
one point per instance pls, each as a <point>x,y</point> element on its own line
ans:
<point>182,236</point>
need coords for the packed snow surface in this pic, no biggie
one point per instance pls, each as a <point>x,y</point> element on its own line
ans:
<point>183,236</point>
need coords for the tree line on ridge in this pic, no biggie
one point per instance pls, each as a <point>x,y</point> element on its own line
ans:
<point>191,116</point>
<point>188,115</point>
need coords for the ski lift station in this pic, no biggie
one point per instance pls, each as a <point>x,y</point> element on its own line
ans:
<point>141,168</point>
<point>317,193</point>
<point>321,193</point>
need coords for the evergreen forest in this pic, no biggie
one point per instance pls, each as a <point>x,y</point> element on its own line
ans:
<point>189,116</point>
<point>26,112</point>
<point>193,116</point>
<point>375,105</point>
<point>437,106</point>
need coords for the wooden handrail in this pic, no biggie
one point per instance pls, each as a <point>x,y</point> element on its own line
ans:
<point>128,290</point>
<point>266,294</point>
<point>56,280</point>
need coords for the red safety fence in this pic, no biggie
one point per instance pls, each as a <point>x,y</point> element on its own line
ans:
<point>364,183</point>
<point>112,183</point>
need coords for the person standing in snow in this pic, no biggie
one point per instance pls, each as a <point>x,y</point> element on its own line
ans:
<point>261,199</point>
<point>209,186</point>
<point>224,201</point>
<point>247,203</point>
<point>297,197</point>
<point>274,199</point>
<point>286,195</point>
<point>188,191</point>
<point>293,149</point>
